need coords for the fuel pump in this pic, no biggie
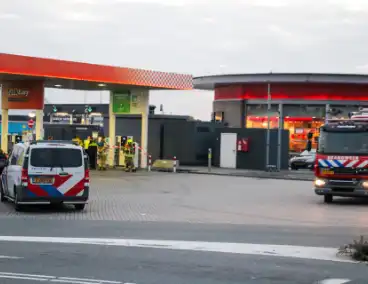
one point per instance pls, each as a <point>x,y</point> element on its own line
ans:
<point>136,155</point>
<point>117,152</point>
<point>122,144</point>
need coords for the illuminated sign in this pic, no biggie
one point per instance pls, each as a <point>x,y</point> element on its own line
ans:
<point>18,92</point>
<point>17,95</point>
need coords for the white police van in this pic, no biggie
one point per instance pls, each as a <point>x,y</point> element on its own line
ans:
<point>46,172</point>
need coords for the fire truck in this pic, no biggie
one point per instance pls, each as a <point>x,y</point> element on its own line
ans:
<point>341,165</point>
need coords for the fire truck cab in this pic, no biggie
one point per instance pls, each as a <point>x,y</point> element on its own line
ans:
<point>341,166</point>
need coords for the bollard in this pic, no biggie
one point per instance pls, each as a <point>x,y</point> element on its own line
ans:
<point>174,166</point>
<point>149,162</point>
<point>209,159</point>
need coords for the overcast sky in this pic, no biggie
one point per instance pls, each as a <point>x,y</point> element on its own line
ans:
<point>199,37</point>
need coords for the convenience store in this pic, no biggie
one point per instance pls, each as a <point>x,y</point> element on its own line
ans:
<point>300,103</point>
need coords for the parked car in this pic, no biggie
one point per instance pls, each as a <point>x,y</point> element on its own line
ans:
<point>46,172</point>
<point>305,160</point>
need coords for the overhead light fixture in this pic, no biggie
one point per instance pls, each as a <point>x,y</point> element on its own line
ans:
<point>95,114</point>
<point>102,85</point>
<point>32,115</point>
<point>61,114</point>
<point>57,85</point>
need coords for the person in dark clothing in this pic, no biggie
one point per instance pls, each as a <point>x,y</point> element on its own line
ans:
<point>3,155</point>
<point>3,158</point>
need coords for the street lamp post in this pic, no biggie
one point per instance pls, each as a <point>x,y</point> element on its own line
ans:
<point>279,138</point>
<point>268,138</point>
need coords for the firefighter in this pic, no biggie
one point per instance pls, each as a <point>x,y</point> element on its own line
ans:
<point>78,141</point>
<point>86,143</point>
<point>101,154</point>
<point>129,153</point>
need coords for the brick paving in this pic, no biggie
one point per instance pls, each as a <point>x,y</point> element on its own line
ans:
<point>169,197</point>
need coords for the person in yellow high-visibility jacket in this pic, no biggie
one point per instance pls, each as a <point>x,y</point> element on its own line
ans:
<point>129,153</point>
<point>78,141</point>
<point>86,143</point>
<point>101,154</point>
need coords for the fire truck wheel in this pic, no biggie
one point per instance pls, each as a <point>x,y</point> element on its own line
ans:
<point>328,198</point>
<point>79,207</point>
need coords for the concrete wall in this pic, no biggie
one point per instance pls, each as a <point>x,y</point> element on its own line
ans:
<point>189,141</point>
<point>233,112</point>
<point>131,126</point>
<point>256,157</point>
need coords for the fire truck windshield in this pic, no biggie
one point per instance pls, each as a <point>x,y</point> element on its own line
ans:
<point>343,142</point>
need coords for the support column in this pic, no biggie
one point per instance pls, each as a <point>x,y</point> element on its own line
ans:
<point>39,124</point>
<point>243,113</point>
<point>327,113</point>
<point>112,132</point>
<point>279,138</point>
<point>4,129</point>
<point>144,128</point>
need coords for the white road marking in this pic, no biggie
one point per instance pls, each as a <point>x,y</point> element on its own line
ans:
<point>10,257</point>
<point>28,275</point>
<point>91,280</point>
<point>334,281</point>
<point>23,278</point>
<point>73,281</point>
<point>304,252</point>
<point>55,279</point>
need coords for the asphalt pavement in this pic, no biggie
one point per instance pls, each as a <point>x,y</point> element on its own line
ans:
<point>159,265</point>
<point>182,228</point>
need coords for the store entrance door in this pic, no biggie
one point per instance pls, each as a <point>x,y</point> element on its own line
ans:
<point>228,150</point>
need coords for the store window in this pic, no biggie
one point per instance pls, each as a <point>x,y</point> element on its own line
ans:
<point>257,116</point>
<point>299,127</point>
<point>298,119</point>
<point>342,112</point>
<point>301,120</point>
<point>218,116</point>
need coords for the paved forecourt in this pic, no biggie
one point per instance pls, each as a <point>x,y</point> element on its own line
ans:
<point>169,197</point>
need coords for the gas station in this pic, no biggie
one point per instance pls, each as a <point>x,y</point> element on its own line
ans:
<point>25,78</point>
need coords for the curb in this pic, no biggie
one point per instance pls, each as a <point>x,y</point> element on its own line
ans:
<point>248,175</point>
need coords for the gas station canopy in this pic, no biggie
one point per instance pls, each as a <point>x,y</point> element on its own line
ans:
<point>24,79</point>
<point>84,76</point>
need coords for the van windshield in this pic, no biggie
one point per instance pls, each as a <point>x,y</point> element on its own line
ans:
<point>56,157</point>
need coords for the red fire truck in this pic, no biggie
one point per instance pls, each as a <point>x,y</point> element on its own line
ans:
<point>341,166</point>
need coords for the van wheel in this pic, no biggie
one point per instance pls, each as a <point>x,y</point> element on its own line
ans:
<point>328,198</point>
<point>18,207</point>
<point>79,207</point>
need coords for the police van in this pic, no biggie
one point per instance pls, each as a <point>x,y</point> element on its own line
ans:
<point>46,172</point>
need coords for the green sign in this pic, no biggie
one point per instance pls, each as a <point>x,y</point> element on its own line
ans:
<point>121,102</point>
